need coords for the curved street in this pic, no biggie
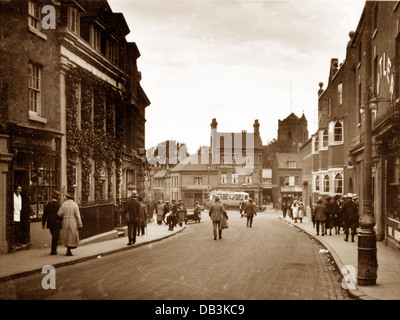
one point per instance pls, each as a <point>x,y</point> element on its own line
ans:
<point>270,261</point>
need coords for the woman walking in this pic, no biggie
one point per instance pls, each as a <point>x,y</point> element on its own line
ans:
<point>160,212</point>
<point>71,221</point>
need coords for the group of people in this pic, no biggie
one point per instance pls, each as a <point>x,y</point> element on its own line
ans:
<point>339,212</point>
<point>294,209</point>
<point>62,218</point>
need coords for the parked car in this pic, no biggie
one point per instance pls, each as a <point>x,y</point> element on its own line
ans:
<point>190,216</point>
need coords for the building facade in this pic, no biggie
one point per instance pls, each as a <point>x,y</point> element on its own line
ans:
<point>356,146</point>
<point>72,110</point>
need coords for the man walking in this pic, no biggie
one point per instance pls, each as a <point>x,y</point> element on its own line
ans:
<point>52,220</point>
<point>132,211</point>
<point>350,217</point>
<point>216,211</point>
<point>250,212</point>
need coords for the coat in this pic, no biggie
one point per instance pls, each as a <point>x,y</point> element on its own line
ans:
<point>320,212</point>
<point>50,217</point>
<point>216,211</point>
<point>160,212</point>
<point>71,221</point>
<point>337,213</point>
<point>350,214</point>
<point>132,210</point>
<point>250,209</point>
<point>295,210</point>
<point>142,215</point>
<point>181,212</point>
<point>330,217</point>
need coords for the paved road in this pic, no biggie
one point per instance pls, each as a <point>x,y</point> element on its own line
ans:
<point>270,261</point>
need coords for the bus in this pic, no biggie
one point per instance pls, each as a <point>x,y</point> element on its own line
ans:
<point>230,199</point>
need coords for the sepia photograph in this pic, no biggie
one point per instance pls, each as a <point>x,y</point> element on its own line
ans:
<point>199,158</point>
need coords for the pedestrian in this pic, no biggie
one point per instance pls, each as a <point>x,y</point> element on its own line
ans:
<point>166,210</point>
<point>132,213</point>
<point>301,210</point>
<point>71,223</point>
<point>17,229</point>
<point>337,213</point>
<point>173,218</point>
<point>330,218</point>
<point>295,210</point>
<point>350,217</point>
<point>142,217</point>
<point>217,210</point>
<point>289,212</point>
<point>197,211</point>
<point>284,209</point>
<point>181,212</point>
<point>52,221</point>
<point>241,208</point>
<point>160,212</point>
<point>320,217</point>
<point>250,212</point>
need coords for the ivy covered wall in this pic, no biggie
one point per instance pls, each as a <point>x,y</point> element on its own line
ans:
<point>99,137</point>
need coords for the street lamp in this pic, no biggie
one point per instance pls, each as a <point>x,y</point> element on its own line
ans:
<point>367,253</point>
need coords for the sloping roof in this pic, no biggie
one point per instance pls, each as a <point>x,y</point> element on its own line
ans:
<point>160,174</point>
<point>284,157</point>
<point>190,163</point>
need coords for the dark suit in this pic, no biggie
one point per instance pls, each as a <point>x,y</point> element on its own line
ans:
<point>132,210</point>
<point>350,218</point>
<point>53,222</point>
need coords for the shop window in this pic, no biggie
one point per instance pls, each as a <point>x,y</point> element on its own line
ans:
<point>393,190</point>
<point>43,180</point>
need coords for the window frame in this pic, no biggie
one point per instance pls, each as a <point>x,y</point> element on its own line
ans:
<point>35,89</point>
<point>326,183</point>
<point>335,134</point>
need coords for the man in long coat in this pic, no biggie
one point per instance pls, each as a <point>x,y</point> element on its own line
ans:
<point>71,221</point>
<point>250,212</point>
<point>217,210</point>
<point>52,221</point>
<point>320,216</point>
<point>330,218</point>
<point>132,211</point>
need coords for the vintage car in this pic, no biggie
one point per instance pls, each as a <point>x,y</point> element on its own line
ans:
<point>190,216</point>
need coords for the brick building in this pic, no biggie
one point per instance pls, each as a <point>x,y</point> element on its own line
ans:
<point>72,111</point>
<point>356,146</point>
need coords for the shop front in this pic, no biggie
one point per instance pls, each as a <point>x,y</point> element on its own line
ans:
<point>36,168</point>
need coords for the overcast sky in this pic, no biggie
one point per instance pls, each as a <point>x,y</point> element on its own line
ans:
<point>235,61</point>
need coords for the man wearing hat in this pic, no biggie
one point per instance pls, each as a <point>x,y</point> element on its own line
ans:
<point>330,218</point>
<point>216,213</point>
<point>132,211</point>
<point>52,220</point>
<point>350,217</point>
<point>337,213</point>
<point>250,212</point>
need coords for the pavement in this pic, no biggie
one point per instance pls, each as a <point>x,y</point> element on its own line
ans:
<point>27,262</point>
<point>345,254</point>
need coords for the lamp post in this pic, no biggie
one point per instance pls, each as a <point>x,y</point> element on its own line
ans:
<point>367,253</point>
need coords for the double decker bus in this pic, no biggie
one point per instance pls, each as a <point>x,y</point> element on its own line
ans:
<point>230,199</point>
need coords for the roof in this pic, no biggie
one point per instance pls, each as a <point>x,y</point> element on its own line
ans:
<point>190,163</point>
<point>284,157</point>
<point>160,174</point>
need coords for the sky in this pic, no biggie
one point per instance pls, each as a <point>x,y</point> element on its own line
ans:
<point>233,60</point>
